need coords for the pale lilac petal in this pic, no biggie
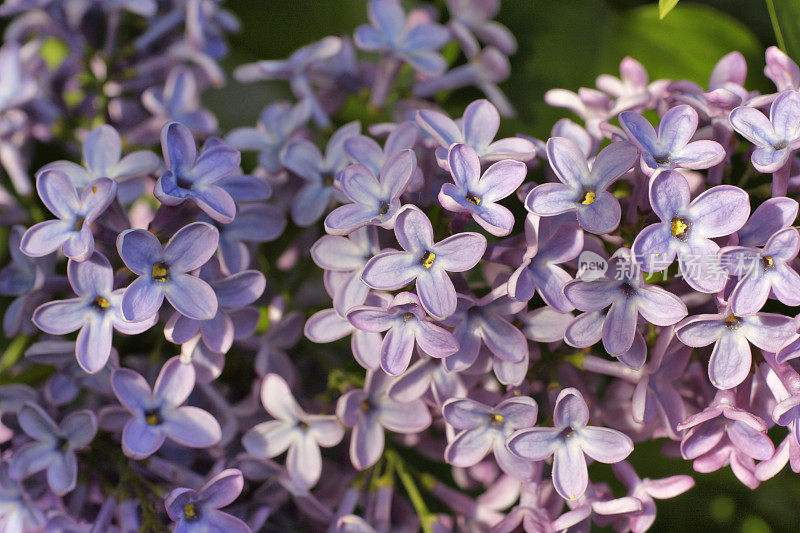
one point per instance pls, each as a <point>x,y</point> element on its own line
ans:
<point>677,127</point>
<point>730,361</point>
<point>141,440</point>
<point>468,448</point>
<point>141,300</point>
<point>36,423</point>
<point>720,211</point>
<point>435,340</point>
<point>62,474</point>
<point>397,348</point>
<point>753,125</point>
<point>391,270</point>
<point>440,127</point>
<point>58,194</point>
<point>437,293</point>
<point>191,426</point>
<point>413,230</point>
<point>699,154</point>
<point>45,237</point>
<point>93,345</point>
<point>304,460</point>
<point>620,326</point>
<point>61,317</point>
<point>700,330</point>
<point>191,247</point>
<point>549,199</point>
<point>605,445</point>
<point>660,307</point>
<point>501,179</point>
<point>131,389</point>
<point>570,476</point>
<point>269,439</point>
<point>481,122</point>
<point>570,409</point>
<point>190,296</point>
<point>602,215</point>
<point>139,249</point>
<point>669,194</point>
<point>652,248</point>
<point>568,162</point>
<point>460,252</point>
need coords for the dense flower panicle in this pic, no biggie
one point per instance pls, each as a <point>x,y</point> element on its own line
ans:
<point>439,327</point>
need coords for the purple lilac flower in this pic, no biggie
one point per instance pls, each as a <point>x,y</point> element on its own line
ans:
<point>102,158</point>
<point>468,17</point>
<point>485,322</point>
<point>296,70</point>
<point>96,312</point>
<point>375,200</point>
<point>764,272</point>
<point>369,410</point>
<point>593,106</point>
<point>319,172</point>
<point>769,217</point>
<point>199,510</point>
<point>775,137</point>
<point>366,151</point>
<point>407,325</point>
<point>53,446</point>
<point>568,441</point>
<point>670,147</point>
<point>428,379</point>
<point>629,297</point>
<point>192,176</point>
<point>302,434</point>
<point>72,231</point>
<point>424,261</point>
<point>482,429</point>
<point>726,432</point>
<point>276,125</point>
<point>582,190</point>
<point>400,40</point>
<point>479,127</point>
<point>179,101</point>
<point>234,293</point>
<point>164,272</point>
<point>686,229</point>
<point>632,89</point>
<point>159,413</point>
<point>646,489</point>
<point>478,194</point>
<point>547,247</point>
<point>731,357</point>
<point>254,223</point>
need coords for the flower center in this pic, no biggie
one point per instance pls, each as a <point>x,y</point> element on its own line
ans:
<point>153,417</point>
<point>588,198</point>
<point>471,198</point>
<point>160,271</point>
<point>780,145</point>
<point>327,178</point>
<point>662,159</point>
<point>679,227</point>
<point>733,322</point>
<point>407,316</point>
<point>78,224</point>
<point>191,512</point>
<point>767,263</point>
<point>427,259</point>
<point>627,289</point>
<point>62,444</point>
<point>383,208</point>
<point>497,419</point>
<point>100,303</point>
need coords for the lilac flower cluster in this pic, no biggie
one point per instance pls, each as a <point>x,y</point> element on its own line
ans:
<point>517,309</point>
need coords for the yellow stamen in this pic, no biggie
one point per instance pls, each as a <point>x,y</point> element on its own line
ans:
<point>679,227</point>
<point>189,512</point>
<point>101,302</point>
<point>427,259</point>
<point>151,419</point>
<point>497,419</point>
<point>407,317</point>
<point>160,272</point>
<point>589,198</point>
<point>471,198</point>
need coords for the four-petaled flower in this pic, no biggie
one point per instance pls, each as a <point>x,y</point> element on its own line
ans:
<point>483,429</point>
<point>159,413</point>
<point>568,441</point>
<point>53,447</point>
<point>196,511</point>
<point>407,324</point>
<point>583,190</point>
<point>163,272</point>
<point>190,176</point>
<point>424,261</point>
<point>670,148</point>
<point>375,200</point>
<point>775,137</point>
<point>478,194</point>
<point>72,232</point>
<point>686,229</point>
<point>96,312</point>
<point>292,428</point>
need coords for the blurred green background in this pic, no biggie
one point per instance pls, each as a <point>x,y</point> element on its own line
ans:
<point>566,43</point>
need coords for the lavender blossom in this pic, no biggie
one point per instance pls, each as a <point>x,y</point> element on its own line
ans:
<point>478,194</point>
<point>292,428</point>
<point>53,447</point>
<point>72,231</point>
<point>424,261</point>
<point>568,441</point>
<point>164,272</point>
<point>195,510</point>
<point>159,413</point>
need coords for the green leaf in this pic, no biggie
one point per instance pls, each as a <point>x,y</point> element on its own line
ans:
<point>785,16</point>
<point>685,45</point>
<point>665,6</point>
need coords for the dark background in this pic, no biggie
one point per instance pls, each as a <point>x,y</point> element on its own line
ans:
<point>565,43</point>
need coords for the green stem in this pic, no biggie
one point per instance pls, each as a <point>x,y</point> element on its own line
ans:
<point>425,516</point>
<point>773,17</point>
